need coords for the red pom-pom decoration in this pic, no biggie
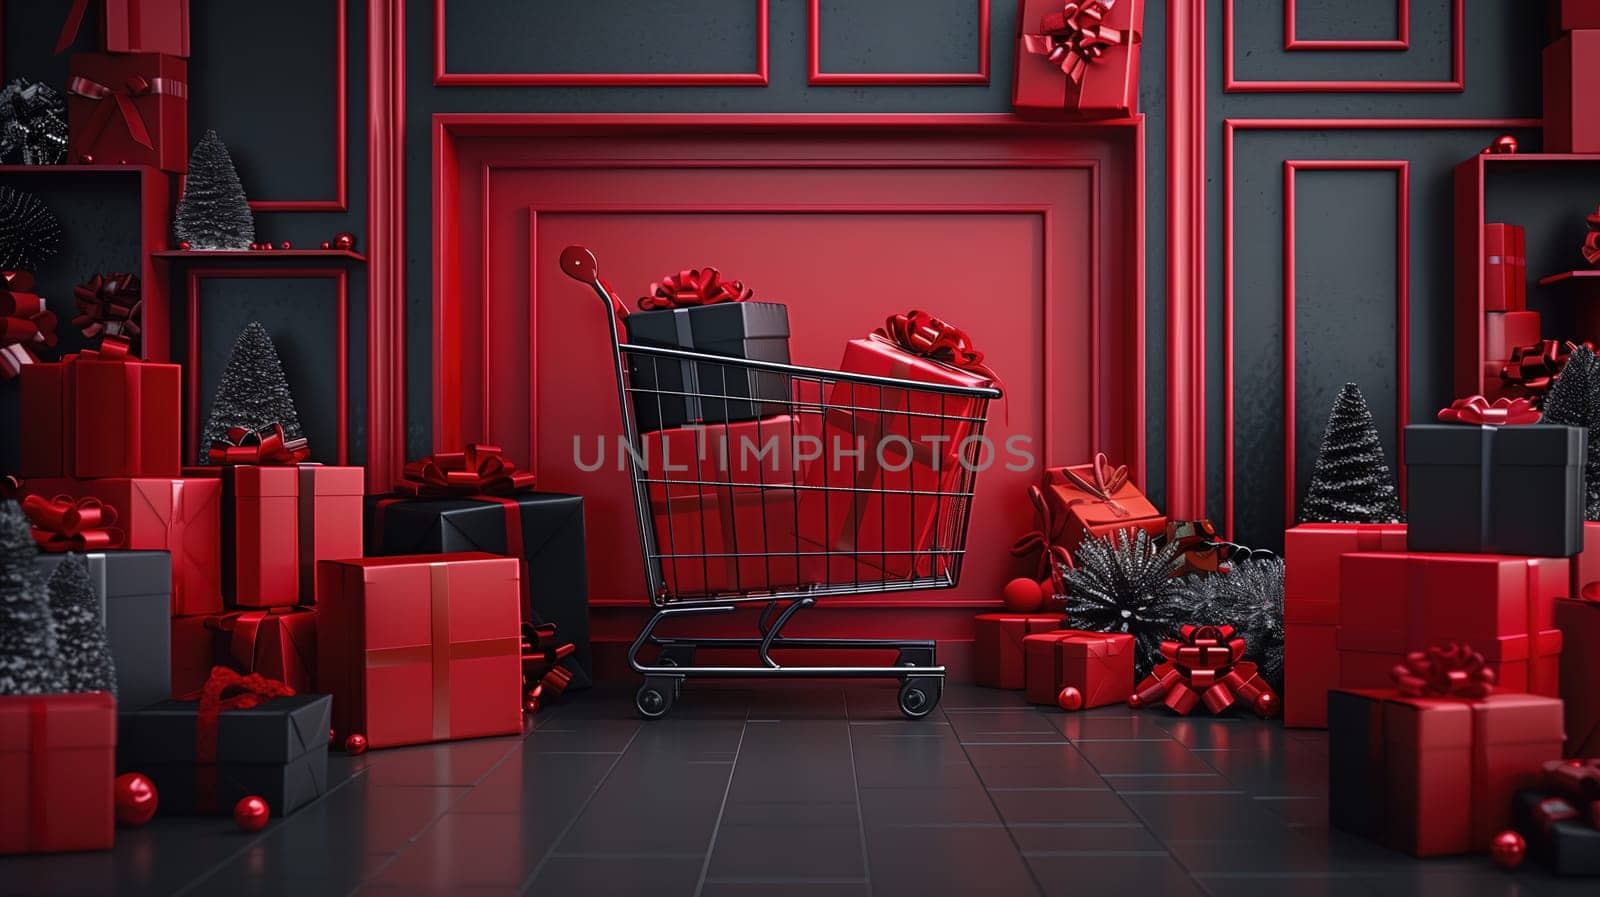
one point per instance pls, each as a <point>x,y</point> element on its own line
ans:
<point>1508,849</point>
<point>251,813</point>
<point>135,797</point>
<point>355,744</point>
<point>1022,596</point>
<point>344,240</point>
<point>1069,699</point>
<point>1267,705</point>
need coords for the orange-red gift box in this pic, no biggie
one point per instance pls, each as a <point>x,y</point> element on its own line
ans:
<point>997,646</point>
<point>1504,606</point>
<point>1579,622</point>
<point>172,514</point>
<point>278,642</point>
<point>1098,664</point>
<point>1505,270</point>
<point>1109,84</point>
<point>1311,553</point>
<point>1434,776</point>
<point>1504,331</point>
<point>129,109</point>
<point>97,417</point>
<point>421,648</point>
<point>1087,515</point>
<point>57,761</point>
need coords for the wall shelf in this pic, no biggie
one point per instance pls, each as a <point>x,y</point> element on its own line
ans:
<point>260,255</point>
<point>1569,275</point>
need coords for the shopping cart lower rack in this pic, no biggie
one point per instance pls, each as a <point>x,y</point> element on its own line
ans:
<point>845,518</point>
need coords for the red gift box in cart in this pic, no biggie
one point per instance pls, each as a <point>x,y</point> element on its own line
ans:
<point>929,556</point>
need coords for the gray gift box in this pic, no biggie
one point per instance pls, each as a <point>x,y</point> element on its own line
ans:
<point>671,392</point>
<point>135,590</point>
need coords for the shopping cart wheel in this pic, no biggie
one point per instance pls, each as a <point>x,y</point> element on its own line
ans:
<point>919,695</point>
<point>655,696</point>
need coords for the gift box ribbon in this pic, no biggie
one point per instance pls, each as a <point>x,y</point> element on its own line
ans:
<point>25,323</point>
<point>479,470</point>
<point>1576,780</point>
<point>122,98</point>
<point>1481,411</point>
<point>926,336</point>
<point>266,446</point>
<point>1449,671</point>
<point>109,307</point>
<point>1536,366</point>
<point>1204,665</point>
<point>1102,489</point>
<point>1077,36</point>
<point>65,523</point>
<point>224,690</point>
<point>261,641</point>
<point>1045,539</point>
<point>694,286</point>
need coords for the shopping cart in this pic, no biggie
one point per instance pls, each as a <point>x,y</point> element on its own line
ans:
<point>715,534</point>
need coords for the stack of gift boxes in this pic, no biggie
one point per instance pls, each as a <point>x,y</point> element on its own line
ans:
<point>128,104</point>
<point>1510,328</point>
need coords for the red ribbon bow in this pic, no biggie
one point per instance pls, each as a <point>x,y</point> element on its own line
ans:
<point>122,101</point>
<point>1452,671</point>
<point>109,307</point>
<point>25,323</point>
<point>266,446</point>
<point>922,334</point>
<point>1536,366</point>
<point>65,523</point>
<point>1204,665</point>
<point>224,690</point>
<point>479,470</point>
<point>1054,558</point>
<point>694,286</point>
<point>1077,36</point>
<point>1500,412</point>
<point>1107,482</point>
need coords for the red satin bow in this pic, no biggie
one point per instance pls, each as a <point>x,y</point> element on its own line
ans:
<point>109,307</point>
<point>694,286</point>
<point>1107,482</point>
<point>1536,366</point>
<point>25,323</point>
<point>922,334</point>
<point>65,523</point>
<point>1077,36</point>
<point>1204,666</point>
<point>122,102</point>
<point>266,446</point>
<point>225,689</point>
<point>1500,412</point>
<point>479,470</point>
<point>1452,671</point>
<point>69,29</point>
<point>1054,558</point>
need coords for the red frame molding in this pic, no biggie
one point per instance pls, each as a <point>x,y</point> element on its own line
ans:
<point>442,77</point>
<point>341,125</point>
<point>1401,41</point>
<point>1456,83</point>
<point>1186,260</point>
<point>341,357</point>
<point>386,223</point>
<point>884,79</point>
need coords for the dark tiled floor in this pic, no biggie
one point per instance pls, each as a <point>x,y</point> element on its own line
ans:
<point>802,790</point>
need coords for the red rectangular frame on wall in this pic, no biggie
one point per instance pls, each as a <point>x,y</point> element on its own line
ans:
<point>341,123</point>
<point>817,76</point>
<point>1456,83</point>
<point>1401,40</point>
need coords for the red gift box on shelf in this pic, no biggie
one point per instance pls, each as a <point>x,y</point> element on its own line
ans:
<point>1078,58</point>
<point>1505,331</point>
<point>260,533</point>
<point>330,524</point>
<point>1392,604</point>
<point>1097,500</point>
<point>1098,664</point>
<point>133,26</point>
<point>421,648</point>
<point>193,653</point>
<point>997,646</point>
<point>1311,553</point>
<point>129,109</point>
<point>99,415</point>
<point>1505,271</point>
<point>172,514</point>
<point>280,643</point>
<point>1571,110</point>
<point>1579,622</point>
<point>57,761</point>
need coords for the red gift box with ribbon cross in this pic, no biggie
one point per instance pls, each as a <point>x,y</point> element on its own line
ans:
<point>1097,499</point>
<point>1098,664</point>
<point>57,761</point>
<point>129,109</point>
<point>278,642</point>
<point>132,26</point>
<point>1078,57</point>
<point>998,655</point>
<point>100,414</point>
<point>421,648</point>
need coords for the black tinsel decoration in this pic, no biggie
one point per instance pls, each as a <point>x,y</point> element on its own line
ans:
<point>29,231</point>
<point>1125,584</point>
<point>33,124</point>
<point>1249,598</point>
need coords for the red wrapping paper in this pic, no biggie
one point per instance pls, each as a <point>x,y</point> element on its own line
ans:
<point>132,26</point>
<point>1098,664</point>
<point>260,533</point>
<point>193,653</point>
<point>1102,82</point>
<point>1571,15</point>
<point>422,648</point>
<point>1112,503</point>
<point>1505,331</point>
<point>997,646</point>
<point>129,109</point>
<point>1571,65</point>
<point>1586,565</point>
<point>1579,622</point>
<point>330,521</point>
<point>57,761</point>
<point>279,643</point>
<point>93,416</point>
<point>1505,271</point>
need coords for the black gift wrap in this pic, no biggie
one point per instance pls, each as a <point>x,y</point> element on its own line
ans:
<point>135,591</point>
<point>668,392</point>
<point>277,750</point>
<point>1495,490</point>
<point>557,574</point>
<point>1570,847</point>
<point>1355,765</point>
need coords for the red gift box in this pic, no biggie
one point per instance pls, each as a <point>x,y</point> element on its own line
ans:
<point>1505,274</point>
<point>1098,664</point>
<point>130,109</point>
<point>279,643</point>
<point>421,648</point>
<point>330,503</point>
<point>172,514</point>
<point>1571,15</point>
<point>997,646</point>
<point>1579,622</point>
<point>1097,500</point>
<point>193,654</point>
<point>57,761</point>
<point>133,26</point>
<point>1571,108</point>
<point>100,416</point>
<point>260,533</point>
<point>1586,564</point>
<point>1079,58</point>
<point>1504,331</point>
<point>1311,555</point>
<point>1392,604</point>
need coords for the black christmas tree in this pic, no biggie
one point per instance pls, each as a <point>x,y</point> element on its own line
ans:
<point>213,213</point>
<point>83,653</point>
<point>1352,482</point>
<point>1574,401</point>
<point>27,633</point>
<point>253,391</point>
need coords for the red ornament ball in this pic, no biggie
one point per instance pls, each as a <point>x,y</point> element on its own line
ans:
<point>1135,701</point>
<point>1504,144</point>
<point>136,798</point>
<point>185,246</point>
<point>326,245</point>
<point>1022,596</point>
<point>251,813</point>
<point>1267,705</point>
<point>356,743</point>
<point>330,736</point>
<point>285,245</point>
<point>530,705</point>
<point>1508,849</point>
<point>86,158</point>
<point>1069,699</point>
<point>344,240</point>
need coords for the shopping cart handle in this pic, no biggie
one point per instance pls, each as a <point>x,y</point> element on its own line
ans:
<point>578,263</point>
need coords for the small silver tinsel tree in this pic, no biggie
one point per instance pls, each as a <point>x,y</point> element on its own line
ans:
<point>213,213</point>
<point>1124,584</point>
<point>83,653</point>
<point>1574,401</point>
<point>27,632</point>
<point>1352,482</point>
<point>252,393</point>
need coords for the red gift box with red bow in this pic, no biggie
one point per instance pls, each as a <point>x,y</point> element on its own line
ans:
<point>100,415</point>
<point>129,109</point>
<point>1579,622</point>
<point>421,648</point>
<point>132,26</point>
<point>1098,664</point>
<point>26,324</point>
<point>280,643</point>
<point>57,761</point>
<point>1096,500</point>
<point>1078,57</point>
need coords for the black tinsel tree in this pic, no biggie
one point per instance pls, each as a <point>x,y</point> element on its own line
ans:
<point>213,213</point>
<point>1574,400</point>
<point>253,391</point>
<point>1124,584</point>
<point>1249,598</point>
<point>27,633</point>
<point>29,231</point>
<point>83,653</point>
<point>1352,482</point>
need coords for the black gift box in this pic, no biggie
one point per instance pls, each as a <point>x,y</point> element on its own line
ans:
<point>671,393</point>
<point>277,750</point>
<point>557,574</point>
<point>135,590</point>
<point>1495,490</point>
<point>1570,847</point>
<point>1355,775</point>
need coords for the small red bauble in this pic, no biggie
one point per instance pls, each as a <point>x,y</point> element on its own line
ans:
<point>355,744</point>
<point>1267,705</point>
<point>1069,699</point>
<point>344,240</point>
<point>86,159</point>
<point>1507,849</point>
<point>326,245</point>
<point>185,246</point>
<point>1135,701</point>
<point>1022,596</point>
<point>136,798</point>
<point>284,245</point>
<point>1504,144</point>
<point>530,705</point>
<point>251,813</point>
